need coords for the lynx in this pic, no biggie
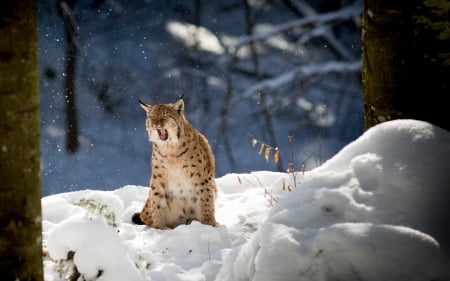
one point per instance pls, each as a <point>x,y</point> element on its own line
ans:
<point>182,186</point>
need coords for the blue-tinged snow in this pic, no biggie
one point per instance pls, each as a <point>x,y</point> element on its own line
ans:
<point>377,210</point>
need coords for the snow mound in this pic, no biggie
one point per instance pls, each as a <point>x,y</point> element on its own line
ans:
<point>375,211</point>
<point>97,251</point>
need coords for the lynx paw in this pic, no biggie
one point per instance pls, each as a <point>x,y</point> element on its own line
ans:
<point>136,219</point>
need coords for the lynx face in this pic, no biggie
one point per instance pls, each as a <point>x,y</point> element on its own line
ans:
<point>164,122</point>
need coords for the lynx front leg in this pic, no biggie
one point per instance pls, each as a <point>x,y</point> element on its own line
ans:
<point>207,209</point>
<point>153,213</point>
<point>144,217</point>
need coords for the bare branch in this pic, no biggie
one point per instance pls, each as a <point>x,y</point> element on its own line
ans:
<point>304,8</point>
<point>303,71</point>
<point>348,12</point>
<point>71,26</point>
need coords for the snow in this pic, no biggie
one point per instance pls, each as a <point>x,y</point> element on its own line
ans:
<point>98,250</point>
<point>195,37</point>
<point>377,210</point>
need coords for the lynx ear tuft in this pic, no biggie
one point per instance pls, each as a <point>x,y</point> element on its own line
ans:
<point>179,106</point>
<point>144,105</point>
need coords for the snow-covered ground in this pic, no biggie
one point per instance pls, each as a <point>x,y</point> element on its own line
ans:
<point>377,210</point>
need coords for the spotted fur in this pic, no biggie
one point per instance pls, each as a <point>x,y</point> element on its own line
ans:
<point>182,186</point>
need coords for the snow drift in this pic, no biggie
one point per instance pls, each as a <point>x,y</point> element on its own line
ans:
<point>366,214</point>
<point>376,211</point>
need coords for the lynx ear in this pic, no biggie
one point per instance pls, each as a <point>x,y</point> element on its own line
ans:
<point>179,106</point>
<point>144,105</point>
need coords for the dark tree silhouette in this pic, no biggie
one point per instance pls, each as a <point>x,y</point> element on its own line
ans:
<point>406,61</point>
<point>66,11</point>
<point>20,188</point>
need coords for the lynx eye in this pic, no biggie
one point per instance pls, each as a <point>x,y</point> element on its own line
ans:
<point>160,120</point>
<point>164,119</point>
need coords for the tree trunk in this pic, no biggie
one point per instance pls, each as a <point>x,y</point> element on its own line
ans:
<point>406,60</point>
<point>69,90</point>
<point>20,186</point>
<point>66,10</point>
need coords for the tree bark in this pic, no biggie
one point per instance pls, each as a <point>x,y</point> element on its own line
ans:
<point>406,60</point>
<point>20,186</point>
<point>72,142</point>
<point>66,10</point>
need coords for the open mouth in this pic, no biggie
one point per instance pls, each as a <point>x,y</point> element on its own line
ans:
<point>163,135</point>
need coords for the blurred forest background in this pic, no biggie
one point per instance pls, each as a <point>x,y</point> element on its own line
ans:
<point>279,74</point>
